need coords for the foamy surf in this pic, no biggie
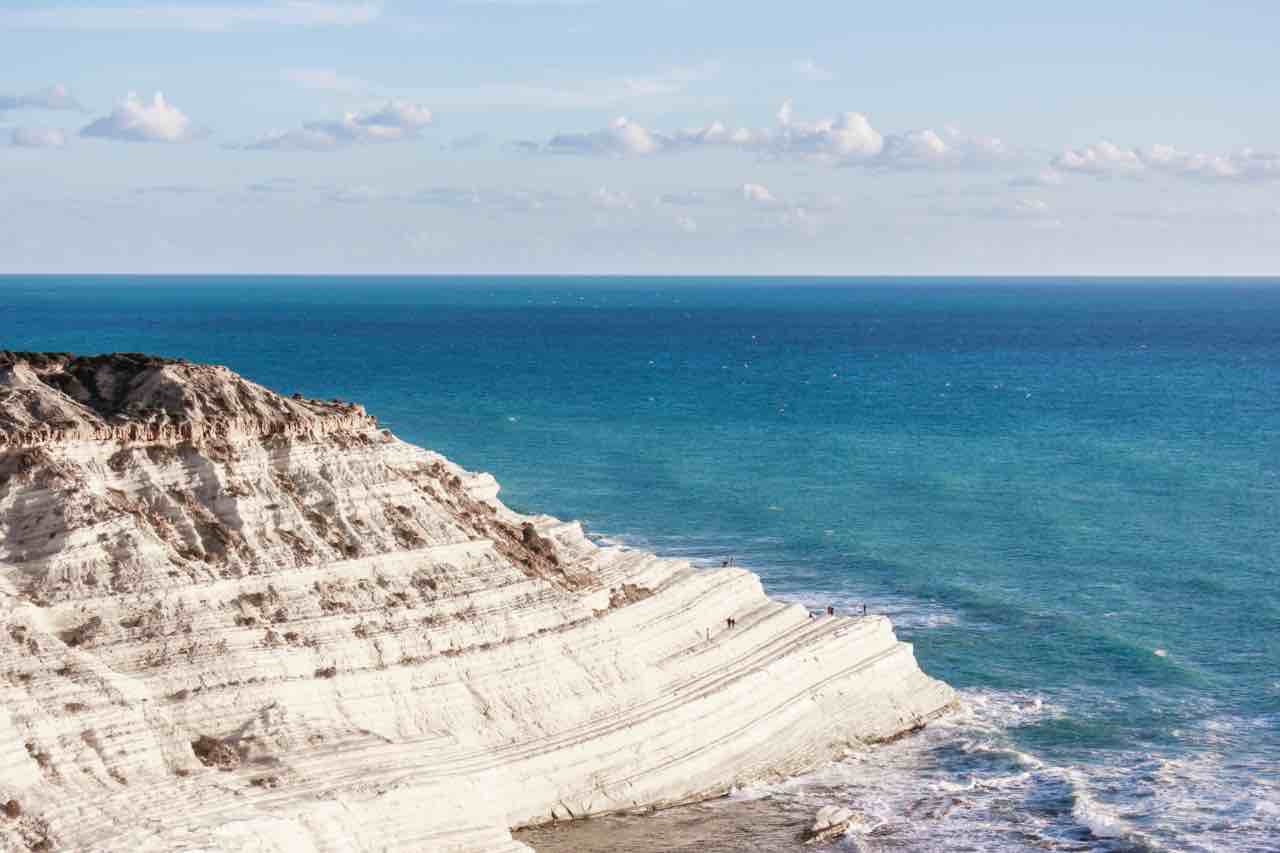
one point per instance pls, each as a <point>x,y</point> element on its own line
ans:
<point>981,778</point>
<point>964,783</point>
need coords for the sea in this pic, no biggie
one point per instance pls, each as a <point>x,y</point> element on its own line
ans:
<point>1065,493</point>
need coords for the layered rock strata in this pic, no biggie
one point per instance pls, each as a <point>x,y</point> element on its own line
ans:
<point>233,620</point>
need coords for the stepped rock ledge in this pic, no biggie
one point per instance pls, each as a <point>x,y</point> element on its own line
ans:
<point>234,620</point>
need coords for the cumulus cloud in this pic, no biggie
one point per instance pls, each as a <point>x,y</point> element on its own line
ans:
<point>1106,160</point>
<point>38,137</point>
<point>846,139</point>
<point>848,136</point>
<point>135,120</point>
<point>621,137</point>
<point>53,98</point>
<point>1247,164</point>
<point>199,17</point>
<point>925,149</point>
<point>395,122</point>
<point>758,194</point>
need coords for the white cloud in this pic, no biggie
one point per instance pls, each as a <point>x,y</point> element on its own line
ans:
<point>53,98</point>
<point>38,137</point>
<point>848,136</point>
<point>395,122</point>
<point>758,194</point>
<point>810,70</point>
<point>927,149</point>
<point>135,120</point>
<point>206,18</point>
<point>1247,164</point>
<point>398,115</point>
<point>1107,159</point>
<point>843,140</point>
<point>622,137</point>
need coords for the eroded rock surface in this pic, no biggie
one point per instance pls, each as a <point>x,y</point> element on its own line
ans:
<point>233,620</point>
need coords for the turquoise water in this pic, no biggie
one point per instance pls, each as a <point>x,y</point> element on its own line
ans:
<point>1063,492</point>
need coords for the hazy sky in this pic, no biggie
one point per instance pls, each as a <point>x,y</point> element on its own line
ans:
<point>656,137</point>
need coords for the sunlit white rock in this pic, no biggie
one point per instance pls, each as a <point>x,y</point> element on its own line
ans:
<point>238,621</point>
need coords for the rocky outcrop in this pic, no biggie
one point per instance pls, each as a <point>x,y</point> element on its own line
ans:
<point>232,620</point>
<point>830,823</point>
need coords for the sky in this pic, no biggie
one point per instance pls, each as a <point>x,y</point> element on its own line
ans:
<point>620,137</point>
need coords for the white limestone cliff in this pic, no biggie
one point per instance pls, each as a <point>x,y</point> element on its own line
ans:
<point>231,620</point>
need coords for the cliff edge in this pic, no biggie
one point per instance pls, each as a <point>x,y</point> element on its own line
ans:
<point>234,620</point>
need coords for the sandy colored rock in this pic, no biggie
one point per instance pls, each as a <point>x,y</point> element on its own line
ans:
<point>830,823</point>
<point>204,569</point>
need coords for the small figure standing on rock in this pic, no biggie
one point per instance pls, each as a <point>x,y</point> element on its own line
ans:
<point>831,611</point>
<point>864,608</point>
<point>730,622</point>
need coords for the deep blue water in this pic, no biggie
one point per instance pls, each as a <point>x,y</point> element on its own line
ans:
<point>1064,492</point>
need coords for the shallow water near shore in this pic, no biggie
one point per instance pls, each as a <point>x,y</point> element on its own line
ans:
<point>1063,493</point>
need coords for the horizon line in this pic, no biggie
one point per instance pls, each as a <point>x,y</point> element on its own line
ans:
<point>660,276</point>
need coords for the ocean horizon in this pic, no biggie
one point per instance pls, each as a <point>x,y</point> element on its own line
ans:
<point>1062,490</point>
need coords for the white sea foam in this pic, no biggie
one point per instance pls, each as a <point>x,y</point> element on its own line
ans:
<point>965,783</point>
<point>1101,821</point>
